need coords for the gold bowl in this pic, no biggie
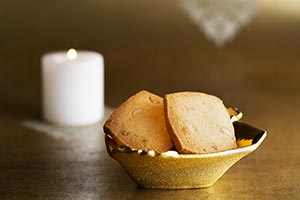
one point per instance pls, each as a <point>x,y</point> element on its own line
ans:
<point>170,170</point>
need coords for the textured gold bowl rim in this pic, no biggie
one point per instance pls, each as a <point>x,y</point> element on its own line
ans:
<point>174,154</point>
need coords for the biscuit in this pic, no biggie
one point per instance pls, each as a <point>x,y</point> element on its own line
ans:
<point>198,123</point>
<point>139,123</point>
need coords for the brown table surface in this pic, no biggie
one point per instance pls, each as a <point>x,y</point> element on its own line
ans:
<point>147,45</point>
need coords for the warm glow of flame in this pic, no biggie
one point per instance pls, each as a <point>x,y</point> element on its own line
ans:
<point>72,54</point>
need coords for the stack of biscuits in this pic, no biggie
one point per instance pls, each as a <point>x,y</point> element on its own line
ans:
<point>190,122</point>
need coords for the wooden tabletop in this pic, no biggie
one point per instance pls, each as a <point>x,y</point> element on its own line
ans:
<point>154,46</point>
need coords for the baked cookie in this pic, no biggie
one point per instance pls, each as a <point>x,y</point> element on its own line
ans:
<point>198,123</point>
<point>139,123</point>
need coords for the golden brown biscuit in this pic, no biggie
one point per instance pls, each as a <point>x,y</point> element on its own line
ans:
<point>139,123</point>
<point>198,123</point>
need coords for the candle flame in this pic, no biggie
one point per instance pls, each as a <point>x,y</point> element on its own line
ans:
<point>72,54</point>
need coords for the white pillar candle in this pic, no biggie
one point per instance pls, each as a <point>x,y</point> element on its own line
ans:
<point>73,87</point>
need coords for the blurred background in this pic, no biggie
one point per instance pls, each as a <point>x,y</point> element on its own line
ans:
<point>153,45</point>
